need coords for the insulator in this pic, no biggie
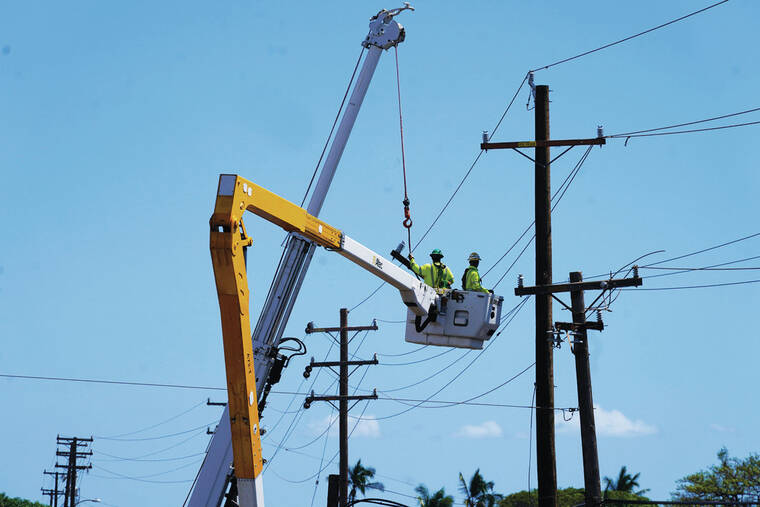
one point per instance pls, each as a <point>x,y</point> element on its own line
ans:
<point>485,136</point>
<point>599,131</point>
<point>599,316</point>
<point>520,281</point>
<point>635,271</point>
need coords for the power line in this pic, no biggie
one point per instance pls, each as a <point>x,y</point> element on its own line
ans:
<point>703,250</point>
<point>699,286</point>
<point>118,382</point>
<point>565,60</point>
<point>169,435</point>
<point>121,458</point>
<point>706,129</point>
<point>157,424</point>
<point>472,166</point>
<point>627,134</point>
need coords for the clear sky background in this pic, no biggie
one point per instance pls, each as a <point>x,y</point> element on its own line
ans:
<point>117,118</point>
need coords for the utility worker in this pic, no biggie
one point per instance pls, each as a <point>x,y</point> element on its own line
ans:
<point>471,277</point>
<point>437,274</point>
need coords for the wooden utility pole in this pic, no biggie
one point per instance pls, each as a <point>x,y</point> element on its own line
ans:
<point>343,397</point>
<point>546,461</point>
<point>53,493</point>
<point>578,328</point>
<point>73,454</point>
<point>591,479</point>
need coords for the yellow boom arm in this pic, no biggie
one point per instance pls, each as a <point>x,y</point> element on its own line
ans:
<point>228,238</point>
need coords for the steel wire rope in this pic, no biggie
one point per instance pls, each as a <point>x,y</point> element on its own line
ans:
<point>565,60</point>
<point>490,343</point>
<point>157,424</point>
<point>456,190</point>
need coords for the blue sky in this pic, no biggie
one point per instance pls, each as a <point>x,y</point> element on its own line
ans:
<point>118,118</point>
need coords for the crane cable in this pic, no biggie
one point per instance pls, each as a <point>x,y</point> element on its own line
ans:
<point>407,223</point>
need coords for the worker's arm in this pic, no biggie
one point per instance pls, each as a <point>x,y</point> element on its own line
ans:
<point>473,282</point>
<point>414,266</point>
<point>449,277</point>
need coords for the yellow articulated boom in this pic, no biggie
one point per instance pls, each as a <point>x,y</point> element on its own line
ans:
<point>451,318</point>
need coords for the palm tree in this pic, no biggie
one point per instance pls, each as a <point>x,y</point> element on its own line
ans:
<point>359,478</point>
<point>625,482</point>
<point>437,499</point>
<point>478,493</point>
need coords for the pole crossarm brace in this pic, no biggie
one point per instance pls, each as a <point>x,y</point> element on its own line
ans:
<point>575,327</point>
<point>320,364</point>
<point>543,144</point>
<point>338,397</point>
<point>576,286</point>
<point>311,329</point>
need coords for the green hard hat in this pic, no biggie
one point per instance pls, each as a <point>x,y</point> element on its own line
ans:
<point>436,251</point>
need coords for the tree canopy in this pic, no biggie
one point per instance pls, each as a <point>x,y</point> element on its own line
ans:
<point>732,479</point>
<point>6,501</point>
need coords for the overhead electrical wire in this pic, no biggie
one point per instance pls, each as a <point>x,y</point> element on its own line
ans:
<point>628,134</point>
<point>490,343</point>
<point>600,48</point>
<point>160,437</point>
<point>157,424</point>
<point>555,199</point>
<point>706,286</point>
<point>690,254</point>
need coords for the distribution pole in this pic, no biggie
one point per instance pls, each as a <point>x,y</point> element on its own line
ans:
<point>343,398</point>
<point>53,493</point>
<point>578,327</point>
<point>591,478</point>
<point>73,454</point>
<point>546,461</point>
<point>343,403</point>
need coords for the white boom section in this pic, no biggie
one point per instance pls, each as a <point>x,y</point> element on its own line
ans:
<point>209,488</point>
<point>416,294</point>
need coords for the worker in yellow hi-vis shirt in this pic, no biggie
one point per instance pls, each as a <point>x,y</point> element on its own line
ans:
<point>436,274</point>
<point>471,277</point>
